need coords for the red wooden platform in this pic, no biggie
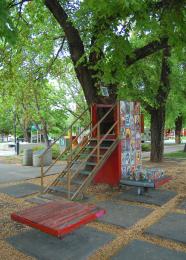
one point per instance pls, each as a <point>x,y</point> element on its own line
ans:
<point>58,218</point>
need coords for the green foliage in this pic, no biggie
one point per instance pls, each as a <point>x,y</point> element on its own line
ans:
<point>55,151</point>
<point>37,74</point>
<point>28,74</point>
<point>146,147</point>
<point>118,27</point>
<point>176,104</point>
<point>8,31</point>
<point>38,148</point>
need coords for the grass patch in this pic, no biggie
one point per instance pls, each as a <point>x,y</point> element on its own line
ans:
<point>179,154</point>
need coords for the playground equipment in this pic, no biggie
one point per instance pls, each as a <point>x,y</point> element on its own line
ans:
<point>109,152</point>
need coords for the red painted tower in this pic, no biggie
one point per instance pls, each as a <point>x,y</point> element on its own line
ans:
<point>110,172</point>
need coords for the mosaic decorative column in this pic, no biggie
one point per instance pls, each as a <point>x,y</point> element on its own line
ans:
<point>131,138</point>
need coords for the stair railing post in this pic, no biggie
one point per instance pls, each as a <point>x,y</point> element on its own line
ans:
<point>98,145</point>
<point>118,119</point>
<point>70,144</point>
<point>42,172</point>
<point>91,121</point>
<point>69,182</point>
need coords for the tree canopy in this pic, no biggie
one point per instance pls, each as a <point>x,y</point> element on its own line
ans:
<point>48,49</point>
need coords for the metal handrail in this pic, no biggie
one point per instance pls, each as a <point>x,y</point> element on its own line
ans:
<point>92,152</point>
<point>66,130</point>
<point>99,122</point>
<point>43,173</point>
<point>76,155</point>
<point>95,148</point>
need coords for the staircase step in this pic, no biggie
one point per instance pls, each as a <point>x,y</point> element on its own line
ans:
<point>101,147</point>
<point>59,189</point>
<point>92,155</point>
<point>91,163</point>
<point>85,172</point>
<point>73,181</point>
<point>108,140</point>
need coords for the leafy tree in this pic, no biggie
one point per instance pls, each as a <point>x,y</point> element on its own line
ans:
<point>101,46</point>
<point>103,51</point>
<point>176,105</point>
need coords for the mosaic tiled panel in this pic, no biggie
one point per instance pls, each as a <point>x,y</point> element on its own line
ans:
<point>131,137</point>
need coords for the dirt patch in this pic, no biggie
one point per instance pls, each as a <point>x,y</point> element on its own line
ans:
<point>11,159</point>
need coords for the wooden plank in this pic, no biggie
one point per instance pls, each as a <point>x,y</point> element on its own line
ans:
<point>65,218</point>
<point>58,218</point>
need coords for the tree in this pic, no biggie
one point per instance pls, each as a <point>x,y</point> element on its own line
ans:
<point>178,128</point>
<point>148,81</point>
<point>176,105</point>
<point>86,74</point>
<point>99,39</point>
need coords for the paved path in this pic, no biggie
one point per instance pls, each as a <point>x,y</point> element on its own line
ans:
<point>14,172</point>
<point>7,153</point>
<point>167,149</point>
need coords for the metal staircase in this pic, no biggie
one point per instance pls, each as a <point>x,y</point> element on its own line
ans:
<point>85,160</point>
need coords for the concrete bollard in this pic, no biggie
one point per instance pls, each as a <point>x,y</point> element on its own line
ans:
<point>27,157</point>
<point>47,160</point>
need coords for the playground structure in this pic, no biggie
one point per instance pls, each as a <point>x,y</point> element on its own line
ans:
<point>109,153</point>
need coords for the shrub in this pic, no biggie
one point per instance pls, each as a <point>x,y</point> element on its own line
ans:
<point>55,151</point>
<point>146,147</point>
<point>38,148</point>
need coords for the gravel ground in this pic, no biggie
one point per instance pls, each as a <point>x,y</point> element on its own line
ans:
<point>176,169</point>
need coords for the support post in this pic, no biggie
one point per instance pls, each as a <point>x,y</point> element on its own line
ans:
<point>71,144</point>
<point>98,145</point>
<point>69,182</point>
<point>118,119</point>
<point>15,132</point>
<point>42,173</point>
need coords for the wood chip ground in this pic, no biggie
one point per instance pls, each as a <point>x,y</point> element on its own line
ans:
<point>176,169</point>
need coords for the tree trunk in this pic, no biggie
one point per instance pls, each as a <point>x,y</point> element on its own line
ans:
<point>27,135</point>
<point>45,134</point>
<point>157,134</point>
<point>178,128</point>
<point>158,114</point>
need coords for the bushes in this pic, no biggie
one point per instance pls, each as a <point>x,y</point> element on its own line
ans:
<point>55,151</point>
<point>38,148</point>
<point>146,147</point>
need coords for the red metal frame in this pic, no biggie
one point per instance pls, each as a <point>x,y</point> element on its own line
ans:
<point>110,172</point>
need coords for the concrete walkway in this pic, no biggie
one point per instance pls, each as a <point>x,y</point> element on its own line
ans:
<point>7,153</point>
<point>14,172</point>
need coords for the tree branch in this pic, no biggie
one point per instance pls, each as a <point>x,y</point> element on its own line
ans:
<point>164,88</point>
<point>56,56</point>
<point>13,4</point>
<point>75,43</point>
<point>76,48</point>
<point>147,50</point>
